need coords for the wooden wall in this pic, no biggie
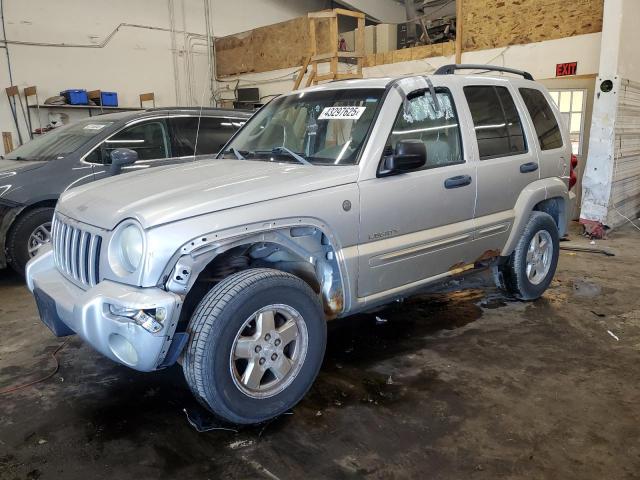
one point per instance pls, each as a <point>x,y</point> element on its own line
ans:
<point>487,24</point>
<point>273,47</point>
<point>492,24</point>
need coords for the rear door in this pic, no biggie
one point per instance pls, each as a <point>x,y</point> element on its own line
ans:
<point>210,133</point>
<point>418,225</point>
<point>506,163</point>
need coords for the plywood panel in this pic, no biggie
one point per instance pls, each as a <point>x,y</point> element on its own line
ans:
<point>492,24</point>
<point>282,45</point>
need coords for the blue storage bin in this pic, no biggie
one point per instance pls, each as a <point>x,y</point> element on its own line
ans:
<point>76,97</point>
<point>109,99</point>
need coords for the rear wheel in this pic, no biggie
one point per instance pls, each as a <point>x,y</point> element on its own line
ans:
<point>531,267</point>
<point>257,341</point>
<point>30,232</point>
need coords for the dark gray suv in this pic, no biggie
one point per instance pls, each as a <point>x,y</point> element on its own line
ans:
<point>33,176</point>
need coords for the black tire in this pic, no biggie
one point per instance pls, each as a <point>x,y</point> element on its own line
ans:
<point>212,333</point>
<point>16,245</point>
<point>514,271</point>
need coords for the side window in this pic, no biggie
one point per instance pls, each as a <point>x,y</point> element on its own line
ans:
<point>543,118</point>
<point>149,139</point>
<point>497,123</point>
<point>213,134</point>
<point>435,125</point>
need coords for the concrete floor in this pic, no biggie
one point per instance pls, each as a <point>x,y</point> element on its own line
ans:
<point>459,385</point>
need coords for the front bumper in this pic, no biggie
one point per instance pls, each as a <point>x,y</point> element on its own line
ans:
<point>66,309</point>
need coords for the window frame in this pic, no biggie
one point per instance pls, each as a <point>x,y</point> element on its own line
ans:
<point>550,103</point>
<point>415,94</point>
<point>172,136</point>
<point>515,104</point>
<point>100,144</point>
<point>582,133</point>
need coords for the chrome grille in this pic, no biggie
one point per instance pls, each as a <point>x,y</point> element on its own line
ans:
<point>76,252</point>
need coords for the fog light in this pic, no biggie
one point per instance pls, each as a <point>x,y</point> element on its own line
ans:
<point>147,322</point>
<point>150,319</point>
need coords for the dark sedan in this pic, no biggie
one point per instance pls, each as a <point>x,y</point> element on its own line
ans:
<point>33,176</point>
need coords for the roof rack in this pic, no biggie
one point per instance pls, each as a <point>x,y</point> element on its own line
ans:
<point>451,69</point>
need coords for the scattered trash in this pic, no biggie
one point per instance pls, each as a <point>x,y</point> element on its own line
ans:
<point>201,424</point>
<point>42,441</point>
<point>584,249</point>
<point>592,242</point>
<point>381,321</point>
<point>349,350</point>
<point>337,403</point>
<point>389,380</point>
<point>613,335</point>
<point>338,366</point>
<point>240,444</point>
<point>318,413</point>
<point>601,315</point>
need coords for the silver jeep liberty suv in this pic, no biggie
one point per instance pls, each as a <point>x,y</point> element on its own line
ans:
<point>331,200</point>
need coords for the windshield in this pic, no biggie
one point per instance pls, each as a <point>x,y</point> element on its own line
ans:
<point>320,128</point>
<point>59,142</point>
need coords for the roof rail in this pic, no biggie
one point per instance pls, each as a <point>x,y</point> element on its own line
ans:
<point>451,69</point>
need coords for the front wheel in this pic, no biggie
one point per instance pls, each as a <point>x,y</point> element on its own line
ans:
<point>257,341</point>
<point>30,232</point>
<point>532,265</point>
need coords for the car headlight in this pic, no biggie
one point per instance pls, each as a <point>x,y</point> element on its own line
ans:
<point>126,251</point>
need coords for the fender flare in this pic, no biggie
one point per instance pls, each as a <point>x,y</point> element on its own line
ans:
<point>532,195</point>
<point>326,256</point>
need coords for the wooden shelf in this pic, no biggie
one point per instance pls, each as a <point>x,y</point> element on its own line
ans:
<point>88,107</point>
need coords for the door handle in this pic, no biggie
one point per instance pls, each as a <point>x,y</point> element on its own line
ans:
<point>457,181</point>
<point>528,167</point>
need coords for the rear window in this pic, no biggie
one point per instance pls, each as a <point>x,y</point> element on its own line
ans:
<point>544,120</point>
<point>496,121</point>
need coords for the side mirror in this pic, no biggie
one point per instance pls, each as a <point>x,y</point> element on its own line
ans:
<point>122,157</point>
<point>409,155</point>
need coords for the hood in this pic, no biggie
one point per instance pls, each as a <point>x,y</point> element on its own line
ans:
<point>8,171</point>
<point>11,167</point>
<point>167,194</point>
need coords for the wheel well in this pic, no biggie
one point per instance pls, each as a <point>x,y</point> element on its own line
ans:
<point>556,208</point>
<point>29,208</point>
<point>303,251</point>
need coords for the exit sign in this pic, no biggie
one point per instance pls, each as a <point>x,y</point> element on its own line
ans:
<point>564,69</point>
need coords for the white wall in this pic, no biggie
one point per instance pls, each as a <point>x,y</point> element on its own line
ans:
<point>135,59</point>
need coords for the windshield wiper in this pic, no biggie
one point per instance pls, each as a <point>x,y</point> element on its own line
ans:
<point>236,152</point>
<point>291,153</point>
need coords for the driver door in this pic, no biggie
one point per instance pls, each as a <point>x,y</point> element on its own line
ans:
<point>149,138</point>
<point>418,225</point>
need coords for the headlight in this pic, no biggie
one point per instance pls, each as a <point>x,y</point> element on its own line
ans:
<point>127,248</point>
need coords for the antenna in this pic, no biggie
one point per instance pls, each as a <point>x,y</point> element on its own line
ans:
<point>195,146</point>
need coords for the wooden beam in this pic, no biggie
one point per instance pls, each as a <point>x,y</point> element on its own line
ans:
<point>302,73</point>
<point>7,141</point>
<point>349,13</point>
<point>459,27</point>
<point>322,14</point>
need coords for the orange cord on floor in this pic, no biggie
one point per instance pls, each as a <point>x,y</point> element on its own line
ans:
<point>48,376</point>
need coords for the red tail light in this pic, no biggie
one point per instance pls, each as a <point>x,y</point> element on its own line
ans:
<point>572,172</point>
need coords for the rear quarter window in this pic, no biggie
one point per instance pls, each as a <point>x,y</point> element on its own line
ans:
<point>544,121</point>
<point>496,121</point>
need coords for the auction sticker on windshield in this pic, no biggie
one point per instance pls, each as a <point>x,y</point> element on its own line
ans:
<point>340,113</point>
